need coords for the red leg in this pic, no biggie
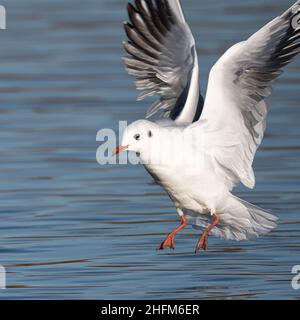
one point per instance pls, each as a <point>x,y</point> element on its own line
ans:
<point>169,241</point>
<point>203,240</point>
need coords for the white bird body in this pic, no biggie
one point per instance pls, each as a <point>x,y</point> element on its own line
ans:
<point>174,165</point>
<point>203,151</point>
<point>191,177</point>
<point>203,194</point>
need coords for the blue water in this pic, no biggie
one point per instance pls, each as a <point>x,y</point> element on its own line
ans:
<point>71,228</point>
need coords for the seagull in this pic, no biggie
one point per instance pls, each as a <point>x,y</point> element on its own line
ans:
<point>199,150</point>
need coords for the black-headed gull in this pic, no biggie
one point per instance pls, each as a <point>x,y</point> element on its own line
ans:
<point>203,149</point>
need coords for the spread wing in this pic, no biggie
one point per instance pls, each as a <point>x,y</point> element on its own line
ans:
<point>163,59</point>
<point>233,118</point>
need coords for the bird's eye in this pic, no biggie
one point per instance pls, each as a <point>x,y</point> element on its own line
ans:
<point>150,134</point>
<point>137,137</point>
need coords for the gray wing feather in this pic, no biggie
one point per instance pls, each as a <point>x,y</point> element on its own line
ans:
<point>161,56</point>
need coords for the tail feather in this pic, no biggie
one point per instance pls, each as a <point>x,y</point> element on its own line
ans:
<point>239,220</point>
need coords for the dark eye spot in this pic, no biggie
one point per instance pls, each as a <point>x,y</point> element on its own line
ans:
<point>150,134</point>
<point>137,136</point>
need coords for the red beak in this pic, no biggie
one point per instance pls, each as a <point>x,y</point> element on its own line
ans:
<point>119,150</point>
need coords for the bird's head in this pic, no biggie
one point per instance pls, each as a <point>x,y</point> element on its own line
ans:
<point>138,136</point>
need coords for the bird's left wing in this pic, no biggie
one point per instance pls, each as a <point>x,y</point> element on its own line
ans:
<point>233,118</point>
<point>162,57</point>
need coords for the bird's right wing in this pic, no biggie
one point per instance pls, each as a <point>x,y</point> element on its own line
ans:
<point>162,57</point>
<point>234,114</point>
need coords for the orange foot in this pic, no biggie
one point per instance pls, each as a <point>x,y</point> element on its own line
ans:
<point>168,243</point>
<point>203,242</point>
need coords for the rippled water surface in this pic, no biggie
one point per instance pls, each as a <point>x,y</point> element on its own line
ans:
<point>71,228</point>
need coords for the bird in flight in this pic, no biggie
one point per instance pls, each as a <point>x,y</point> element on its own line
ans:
<point>199,150</point>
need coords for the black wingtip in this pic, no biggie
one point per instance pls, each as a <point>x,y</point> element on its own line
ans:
<point>138,4</point>
<point>131,8</point>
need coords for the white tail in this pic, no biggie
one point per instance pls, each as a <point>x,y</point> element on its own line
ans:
<point>239,220</point>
